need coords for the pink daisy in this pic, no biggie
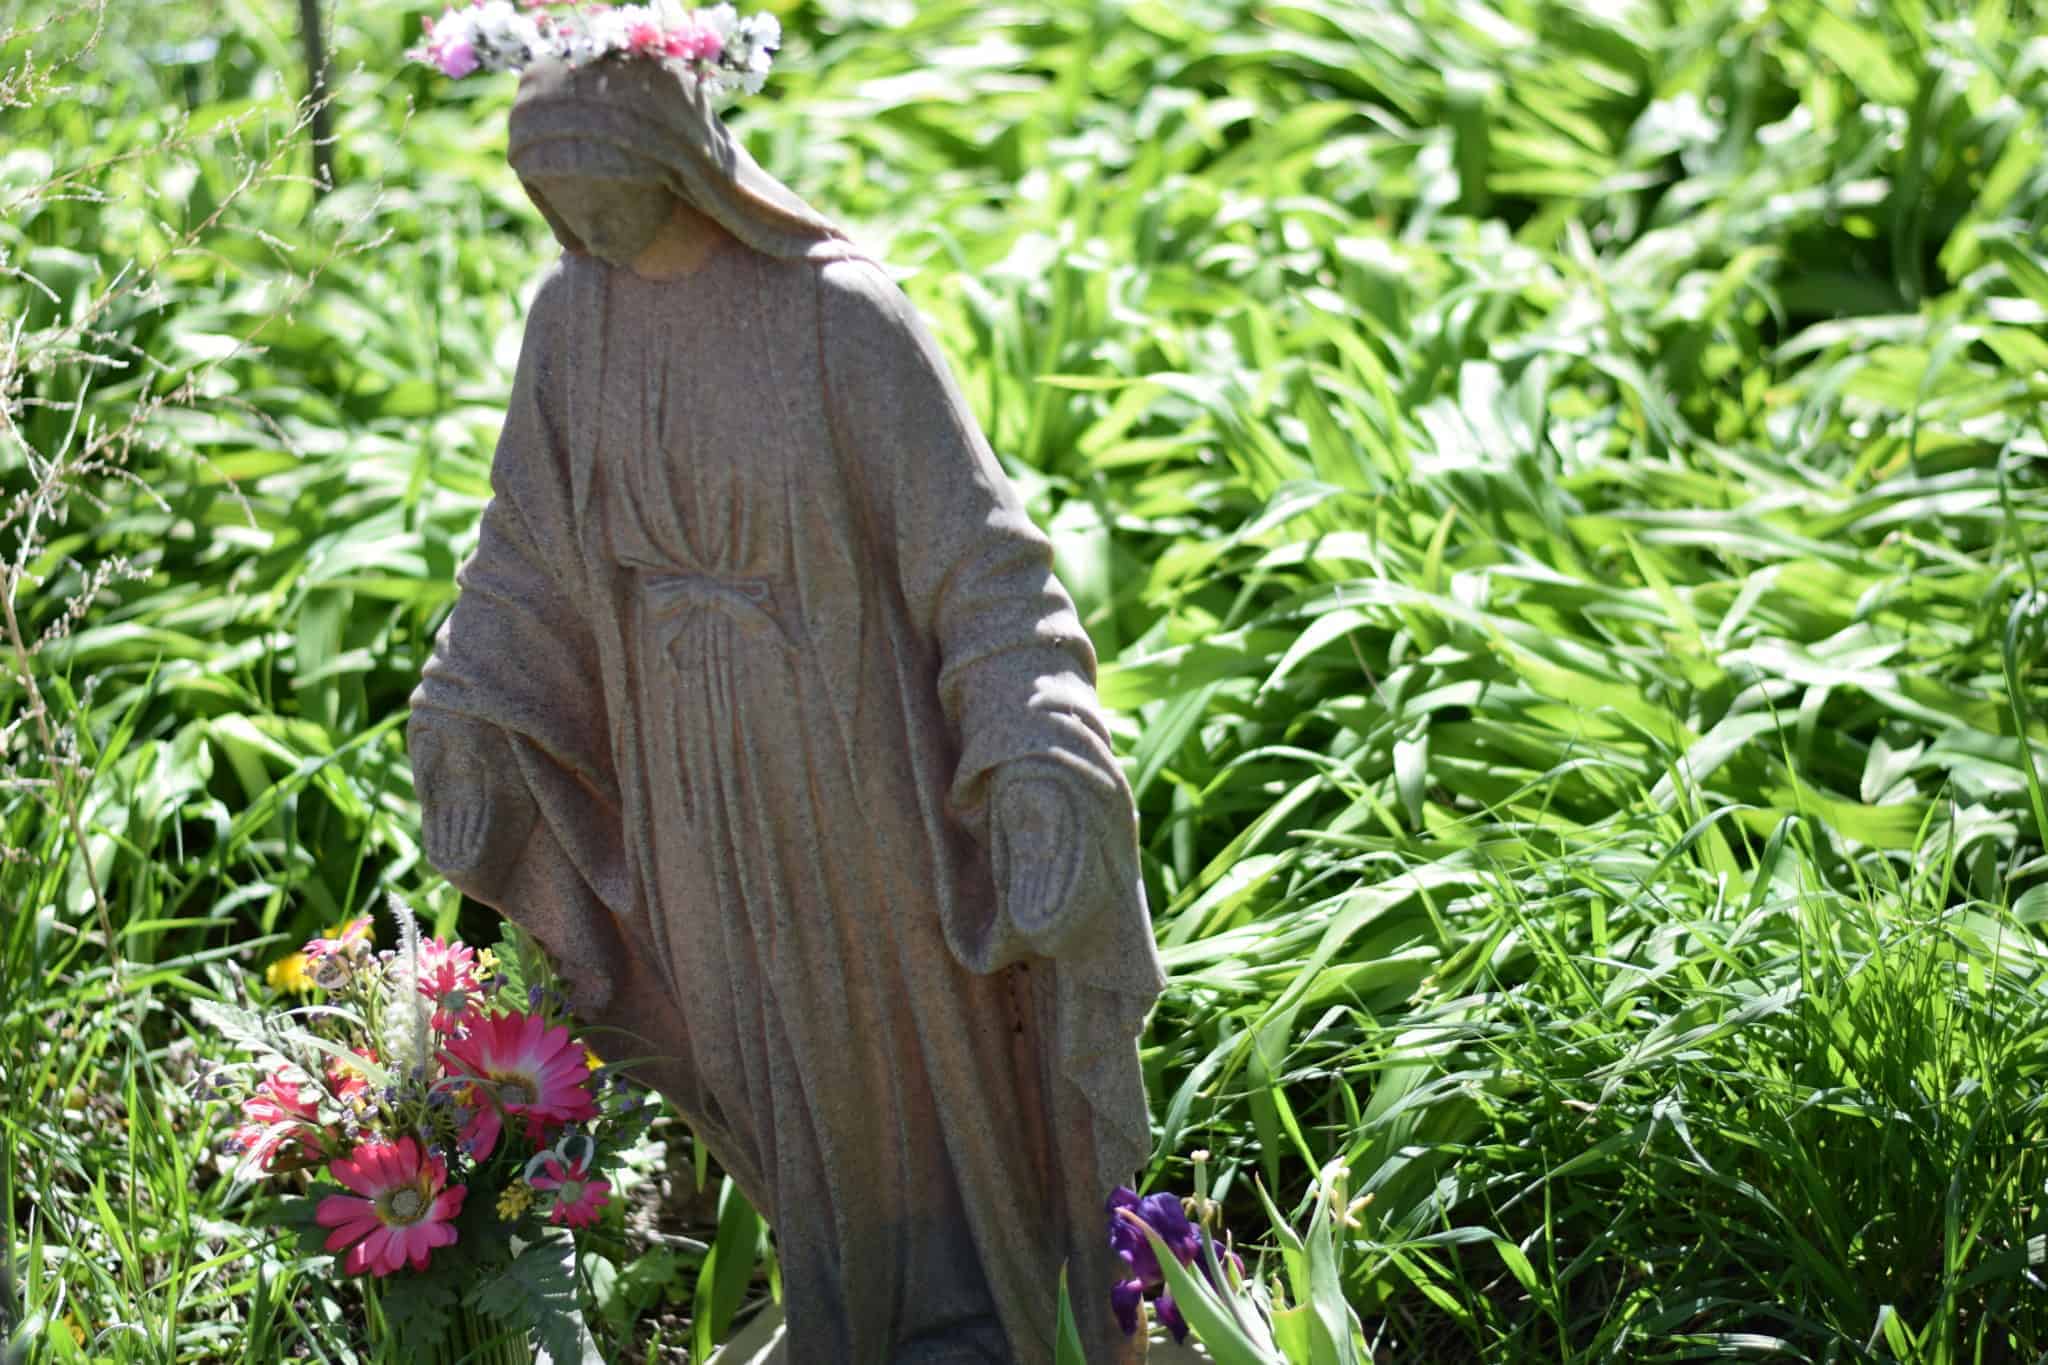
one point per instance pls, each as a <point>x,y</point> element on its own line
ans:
<point>327,958</point>
<point>577,1197</point>
<point>348,1083</point>
<point>531,1069</point>
<point>404,1212</point>
<point>351,936</point>
<point>448,980</point>
<point>279,1100</point>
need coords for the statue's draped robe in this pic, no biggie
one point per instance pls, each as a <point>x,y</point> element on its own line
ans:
<point>754,634</point>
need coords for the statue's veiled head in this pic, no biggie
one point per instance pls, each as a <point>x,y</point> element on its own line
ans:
<point>606,149</point>
<point>611,213</point>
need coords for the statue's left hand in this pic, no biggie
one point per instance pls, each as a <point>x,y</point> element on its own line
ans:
<point>475,820</point>
<point>1037,843</point>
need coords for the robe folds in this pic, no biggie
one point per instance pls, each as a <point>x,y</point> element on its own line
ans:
<point>755,639</point>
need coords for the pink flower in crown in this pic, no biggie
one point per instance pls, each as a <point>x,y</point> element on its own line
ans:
<point>456,59</point>
<point>696,41</point>
<point>531,1069</point>
<point>454,51</point>
<point>578,1198</point>
<point>448,980</point>
<point>644,37</point>
<point>402,1209</point>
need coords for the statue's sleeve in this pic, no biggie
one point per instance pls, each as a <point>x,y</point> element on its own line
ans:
<point>509,737</point>
<point>1016,670</point>
<point>1015,679</point>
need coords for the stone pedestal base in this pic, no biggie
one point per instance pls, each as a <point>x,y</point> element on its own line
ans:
<point>760,1342</point>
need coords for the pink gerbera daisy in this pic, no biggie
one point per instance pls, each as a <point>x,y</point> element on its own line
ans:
<point>531,1069</point>
<point>405,1210</point>
<point>577,1196</point>
<point>448,979</point>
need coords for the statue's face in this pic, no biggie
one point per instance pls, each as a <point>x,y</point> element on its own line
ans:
<point>614,219</point>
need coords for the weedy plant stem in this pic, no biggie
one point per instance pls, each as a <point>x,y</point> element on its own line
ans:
<point>65,767</point>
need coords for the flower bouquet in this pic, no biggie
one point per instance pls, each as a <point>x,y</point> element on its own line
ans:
<point>462,1125</point>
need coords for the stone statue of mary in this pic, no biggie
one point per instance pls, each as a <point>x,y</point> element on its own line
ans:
<point>761,708</point>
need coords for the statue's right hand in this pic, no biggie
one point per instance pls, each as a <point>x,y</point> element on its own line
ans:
<point>454,787</point>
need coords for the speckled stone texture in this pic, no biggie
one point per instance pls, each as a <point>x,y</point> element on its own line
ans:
<point>761,708</point>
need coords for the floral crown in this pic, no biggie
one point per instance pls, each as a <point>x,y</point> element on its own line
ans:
<point>712,47</point>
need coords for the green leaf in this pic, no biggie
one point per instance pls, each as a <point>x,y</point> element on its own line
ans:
<point>419,1309</point>
<point>536,1294</point>
<point>1067,1345</point>
<point>728,1271</point>
<point>1212,1321</point>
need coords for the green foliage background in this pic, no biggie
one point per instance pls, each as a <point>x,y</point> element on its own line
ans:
<point>1559,493</point>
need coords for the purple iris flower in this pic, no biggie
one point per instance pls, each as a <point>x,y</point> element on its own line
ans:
<point>1124,1297</point>
<point>1169,1315</point>
<point>1166,1216</point>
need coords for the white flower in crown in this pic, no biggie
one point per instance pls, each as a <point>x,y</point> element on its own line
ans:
<point>713,47</point>
<point>489,36</point>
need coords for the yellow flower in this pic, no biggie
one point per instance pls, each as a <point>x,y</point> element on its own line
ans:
<point>288,973</point>
<point>486,961</point>
<point>77,1332</point>
<point>590,1057</point>
<point>514,1201</point>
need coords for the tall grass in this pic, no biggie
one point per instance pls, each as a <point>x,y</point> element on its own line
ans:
<point>1558,492</point>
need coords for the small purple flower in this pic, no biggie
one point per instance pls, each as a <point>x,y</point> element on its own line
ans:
<point>533,995</point>
<point>1167,1217</point>
<point>1124,1297</point>
<point>1169,1316</point>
